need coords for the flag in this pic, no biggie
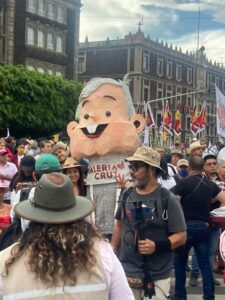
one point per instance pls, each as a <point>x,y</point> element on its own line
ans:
<point>149,119</point>
<point>167,120</point>
<point>146,137</point>
<point>220,113</point>
<point>177,121</point>
<point>194,120</point>
<point>139,109</point>
<point>202,117</point>
<point>7,134</point>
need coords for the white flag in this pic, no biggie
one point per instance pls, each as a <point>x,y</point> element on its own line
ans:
<point>220,112</point>
<point>7,134</point>
<point>146,137</point>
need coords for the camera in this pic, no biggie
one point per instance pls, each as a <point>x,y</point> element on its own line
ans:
<point>141,213</point>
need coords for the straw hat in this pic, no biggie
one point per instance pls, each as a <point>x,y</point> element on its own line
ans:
<point>54,202</point>
<point>147,155</point>
<point>193,146</point>
<point>71,163</point>
<point>59,145</point>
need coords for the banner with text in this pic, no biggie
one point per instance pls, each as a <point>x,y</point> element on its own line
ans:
<point>106,169</point>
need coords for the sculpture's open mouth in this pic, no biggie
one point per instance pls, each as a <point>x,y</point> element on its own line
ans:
<point>94,131</point>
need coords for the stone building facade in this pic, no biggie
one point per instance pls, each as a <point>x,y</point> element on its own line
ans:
<point>43,35</point>
<point>157,70</point>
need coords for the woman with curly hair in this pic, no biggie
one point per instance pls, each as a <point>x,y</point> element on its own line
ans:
<point>60,255</point>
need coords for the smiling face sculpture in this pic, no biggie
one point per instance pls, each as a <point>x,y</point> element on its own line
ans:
<point>107,123</point>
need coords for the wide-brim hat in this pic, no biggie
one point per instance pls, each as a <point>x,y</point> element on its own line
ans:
<point>146,155</point>
<point>54,202</point>
<point>59,145</point>
<point>71,162</point>
<point>193,146</point>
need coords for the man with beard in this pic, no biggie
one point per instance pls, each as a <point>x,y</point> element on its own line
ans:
<point>161,230</point>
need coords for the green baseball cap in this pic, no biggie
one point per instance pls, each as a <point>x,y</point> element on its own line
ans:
<point>47,162</point>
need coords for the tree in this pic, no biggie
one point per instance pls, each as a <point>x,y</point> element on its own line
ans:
<point>34,104</point>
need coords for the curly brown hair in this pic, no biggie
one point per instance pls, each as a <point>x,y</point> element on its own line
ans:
<point>55,253</point>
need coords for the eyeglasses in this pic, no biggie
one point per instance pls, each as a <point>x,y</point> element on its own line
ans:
<point>136,166</point>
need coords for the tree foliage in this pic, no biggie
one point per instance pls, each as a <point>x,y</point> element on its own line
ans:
<point>34,104</point>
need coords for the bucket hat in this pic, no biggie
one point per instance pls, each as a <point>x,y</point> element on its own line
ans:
<point>71,163</point>
<point>146,155</point>
<point>54,202</point>
<point>47,162</point>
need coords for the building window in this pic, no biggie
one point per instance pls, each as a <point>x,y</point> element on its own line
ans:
<point>168,90</point>
<point>209,80</point>
<point>41,7</point>
<point>82,63</point>
<point>178,92</point>
<point>49,41</point>
<point>59,47</point>
<point>50,72</point>
<point>31,6</point>
<point>189,75</point>
<point>30,36</point>
<point>178,72</point>
<point>146,90</point>
<point>160,65</point>
<point>169,69</point>
<point>40,70</point>
<point>30,68</point>
<point>159,90</point>
<point>217,81</point>
<point>51,11</point>
<point>146,61</point>
<point>60,14</point>
<point>41,39</point>
<point>58,73</point>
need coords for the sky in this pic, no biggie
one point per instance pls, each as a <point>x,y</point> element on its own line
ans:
<point>173,21</point>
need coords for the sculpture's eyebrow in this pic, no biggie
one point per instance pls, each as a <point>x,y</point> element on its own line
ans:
<point>108,96</point>
<point>84,102</point>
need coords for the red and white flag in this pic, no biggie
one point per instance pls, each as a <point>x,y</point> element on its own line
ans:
<point>167,120</point>
<point>149,119</point>
<point>202,117</point>
<point>177,121</point>
<point>195,126</point>
<point>139,109</point>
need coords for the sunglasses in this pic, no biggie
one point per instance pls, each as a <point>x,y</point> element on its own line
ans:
<point>136,166</point>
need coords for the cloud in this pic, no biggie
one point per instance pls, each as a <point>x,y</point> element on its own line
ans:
<point>163,19</point>
<point>214,43</point>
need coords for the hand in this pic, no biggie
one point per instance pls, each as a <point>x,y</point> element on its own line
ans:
<point>146,247</point>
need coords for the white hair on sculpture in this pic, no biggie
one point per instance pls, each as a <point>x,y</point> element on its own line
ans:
<point>221,156</point>
<point>96,82</point>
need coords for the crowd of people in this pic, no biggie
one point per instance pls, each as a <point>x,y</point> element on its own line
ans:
<point>163,212</point>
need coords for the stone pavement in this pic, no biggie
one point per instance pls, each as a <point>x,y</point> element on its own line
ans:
<point>195,293</point>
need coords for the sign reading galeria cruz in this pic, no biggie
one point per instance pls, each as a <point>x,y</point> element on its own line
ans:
<point>107,169</point>
<point>220,112</point>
